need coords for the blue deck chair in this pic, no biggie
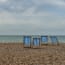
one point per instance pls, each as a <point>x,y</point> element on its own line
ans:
<point>54,39</point>
<point>27,41</point>
<point>44,39</point>
<point>36,42</point>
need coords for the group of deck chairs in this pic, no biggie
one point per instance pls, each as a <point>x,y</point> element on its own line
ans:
<point>30,41</point>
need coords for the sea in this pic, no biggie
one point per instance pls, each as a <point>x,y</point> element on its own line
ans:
<point>11,38</point>
<point>19,38</point>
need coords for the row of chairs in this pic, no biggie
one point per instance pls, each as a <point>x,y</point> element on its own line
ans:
<point>30,41</point>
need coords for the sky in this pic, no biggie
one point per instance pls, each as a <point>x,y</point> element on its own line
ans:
<point>32,17</point>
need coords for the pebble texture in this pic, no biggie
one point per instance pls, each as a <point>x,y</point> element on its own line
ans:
<point>15,54</point>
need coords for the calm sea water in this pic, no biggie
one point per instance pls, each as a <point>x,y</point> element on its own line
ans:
<point>11,38</point>
<point>14,38</point>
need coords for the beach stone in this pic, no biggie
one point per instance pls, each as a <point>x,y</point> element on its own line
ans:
<point>14,54</point>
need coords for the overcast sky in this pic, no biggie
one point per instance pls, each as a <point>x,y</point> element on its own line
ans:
<point>45,17</point>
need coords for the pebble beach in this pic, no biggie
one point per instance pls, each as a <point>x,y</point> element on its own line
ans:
<point>16,54</point>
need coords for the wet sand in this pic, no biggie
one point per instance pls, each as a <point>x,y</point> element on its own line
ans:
<point>15,54</point>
